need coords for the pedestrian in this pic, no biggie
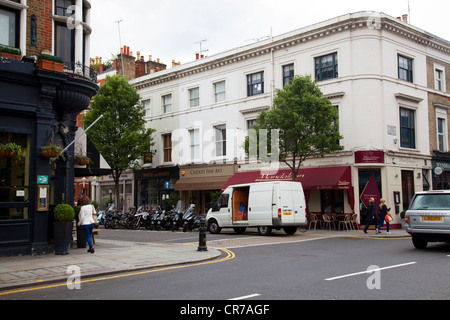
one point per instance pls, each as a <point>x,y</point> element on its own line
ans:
<point>371,215</point>
<point>87,221</point>
<point>383,213</point>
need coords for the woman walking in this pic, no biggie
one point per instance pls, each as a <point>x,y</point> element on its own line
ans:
<point>86,221</point>
<point>371,215</point>
<point>383,213</point>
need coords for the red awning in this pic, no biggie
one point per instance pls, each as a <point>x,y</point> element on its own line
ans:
<point>333,178</point>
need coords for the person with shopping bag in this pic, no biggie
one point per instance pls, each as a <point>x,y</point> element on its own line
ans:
<point>384,216</point>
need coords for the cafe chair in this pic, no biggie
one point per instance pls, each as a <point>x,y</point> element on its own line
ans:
<point>346,222</point>
<point>327,220</point>
<point>313,219</point>
<point>354,222</point>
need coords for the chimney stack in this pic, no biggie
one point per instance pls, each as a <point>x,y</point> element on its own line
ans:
<point>405,18</point>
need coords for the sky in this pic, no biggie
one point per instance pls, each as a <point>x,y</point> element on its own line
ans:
<point>173,29</point>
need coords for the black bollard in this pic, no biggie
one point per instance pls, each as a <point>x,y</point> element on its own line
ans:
<point>202,236</point>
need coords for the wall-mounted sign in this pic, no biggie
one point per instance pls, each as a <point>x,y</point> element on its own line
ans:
<point>42,198</point>
<point>369,157</point>
<point>42,179</point>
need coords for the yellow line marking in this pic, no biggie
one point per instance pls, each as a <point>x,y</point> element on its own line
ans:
<point>230,256</point>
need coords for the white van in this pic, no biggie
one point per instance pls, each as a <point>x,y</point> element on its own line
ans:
<point>265,205</point>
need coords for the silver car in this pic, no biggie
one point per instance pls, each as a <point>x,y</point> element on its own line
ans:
<point>428,218</point>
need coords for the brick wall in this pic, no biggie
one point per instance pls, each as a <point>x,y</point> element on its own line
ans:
<point>43,10</point>
<point>435,97</point>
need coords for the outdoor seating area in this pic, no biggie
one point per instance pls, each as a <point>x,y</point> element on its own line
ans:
<point>333,221</point>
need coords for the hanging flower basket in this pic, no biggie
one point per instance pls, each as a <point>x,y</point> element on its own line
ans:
<point>52,151</point>
<point>11,150</point>
<point>80,160</point>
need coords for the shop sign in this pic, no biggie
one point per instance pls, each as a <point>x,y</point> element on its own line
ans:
<point>369,157</point>
<point>206,171</point>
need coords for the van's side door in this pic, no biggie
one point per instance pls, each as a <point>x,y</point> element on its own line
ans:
<point>222,209</point>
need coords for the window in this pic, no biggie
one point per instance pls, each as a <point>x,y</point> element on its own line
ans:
<point>439,79</point>
<point>167,103</point>
<point>15,178</point>
<point>407,128</point>
<point>167,147</point>
<point>441,134</point>
<point>194,99</point>
<point>61,7</point>
<point>65,43</point>
<point>221,140</point>
<point>288,74</point>
<point>405,68</point>
<point>219,91</point>
<point>251,124</point>
<point>195,144</point>
<point>255,84</point>
<point>9,27</point>
<point>147,107</point>
<point>326,67</point>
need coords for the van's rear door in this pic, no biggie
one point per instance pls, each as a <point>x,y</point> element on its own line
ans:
<point>292,204</point>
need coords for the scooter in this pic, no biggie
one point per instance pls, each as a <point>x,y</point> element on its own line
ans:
<point>189,217</point>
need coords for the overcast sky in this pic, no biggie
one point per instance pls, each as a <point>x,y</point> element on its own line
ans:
<point>171,29</point>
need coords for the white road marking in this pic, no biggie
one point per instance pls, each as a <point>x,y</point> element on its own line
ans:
<point>246,297</point>
<point>370,271</point>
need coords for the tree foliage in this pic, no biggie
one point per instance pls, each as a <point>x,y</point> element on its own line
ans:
<point>120,136</point>
<point>307,123</point>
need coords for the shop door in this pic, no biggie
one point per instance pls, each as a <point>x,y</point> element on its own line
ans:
<point>407,188</point>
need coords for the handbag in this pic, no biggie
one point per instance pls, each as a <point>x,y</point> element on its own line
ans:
<point>94,216</point>
<point>388,218</point>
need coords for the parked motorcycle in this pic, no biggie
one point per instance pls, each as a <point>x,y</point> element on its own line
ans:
<point>190,219</point>
<point>139,218</point>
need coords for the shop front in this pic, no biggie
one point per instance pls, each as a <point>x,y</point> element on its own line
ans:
<point>441,171</point>
<point>38,109</point>
<point>326,190</point>
<point>155,187</point>
<point>199,184</point>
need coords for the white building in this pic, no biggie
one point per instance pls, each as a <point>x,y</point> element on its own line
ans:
<point>371,66</point>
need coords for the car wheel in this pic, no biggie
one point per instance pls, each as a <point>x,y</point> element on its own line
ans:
<point>419,243</point>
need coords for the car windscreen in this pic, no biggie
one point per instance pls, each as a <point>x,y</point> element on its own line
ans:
<point>438,201</point>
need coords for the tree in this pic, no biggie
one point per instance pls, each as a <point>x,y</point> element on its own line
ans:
<point>120,136</point>
<point>307,123</point>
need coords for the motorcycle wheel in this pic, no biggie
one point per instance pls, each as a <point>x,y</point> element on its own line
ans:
<point>135,224</point>
<point>115,224</point>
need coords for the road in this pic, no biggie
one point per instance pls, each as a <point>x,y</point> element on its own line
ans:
<point>303,266</point>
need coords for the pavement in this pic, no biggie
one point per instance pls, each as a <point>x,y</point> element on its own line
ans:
<point>114,257</point>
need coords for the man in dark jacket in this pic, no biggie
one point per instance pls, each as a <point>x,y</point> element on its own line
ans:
<point>371,215</point>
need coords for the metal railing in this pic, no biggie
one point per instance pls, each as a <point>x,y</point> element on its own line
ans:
<point>77,69</point>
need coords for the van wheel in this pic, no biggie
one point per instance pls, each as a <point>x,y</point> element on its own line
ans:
<point>290,230</point>
<point>265,231</point>
<point>419,243</point>
<point>239,230</point>
<point>213,227</point>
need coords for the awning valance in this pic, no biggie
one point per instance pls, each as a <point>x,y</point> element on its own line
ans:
<point>332,178</point>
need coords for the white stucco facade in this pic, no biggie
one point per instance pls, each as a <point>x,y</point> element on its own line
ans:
<point>365,87</point>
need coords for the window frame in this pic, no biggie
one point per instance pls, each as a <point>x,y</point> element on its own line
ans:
<point>194,101</point>
<point>409,70</point>
<point>167,147</point>
<point>253,83</point>
<point>287,79</point>
<point>165,105</point>
<point>408,129</point>
<point>220,140</point>
<point>319,67</point>
<point>194,136</point>
<point>13,35</point>
<point>218,94</point>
